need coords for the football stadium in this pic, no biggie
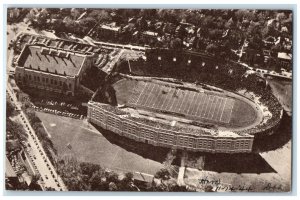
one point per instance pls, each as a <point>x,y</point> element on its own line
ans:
<point>166,110</point>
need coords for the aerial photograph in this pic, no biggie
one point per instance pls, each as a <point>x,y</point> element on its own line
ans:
<point>148,100</point>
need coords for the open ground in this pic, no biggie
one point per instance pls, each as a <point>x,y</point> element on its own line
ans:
<point>79,139</point>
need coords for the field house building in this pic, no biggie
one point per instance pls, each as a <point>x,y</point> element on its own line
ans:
<point>52,69</point>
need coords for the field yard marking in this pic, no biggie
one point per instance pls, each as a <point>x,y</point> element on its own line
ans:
<point>166,98</point>
<point>210,107</point>
<point>156,99</point>
<point>218,103</point>
<point>138,90</point>
<point>214,108</point>
<point>229,106</point>
<point>230,112</point>
<point>159,98</point>
<point>144,95</point>
<point>183,100</point>
<point>146,84</point>
<point>177,101</point>
<point>188,110</point>
<point>152,96</point>
<point>132,99</point>
<point>148,96</point>
<point>152,99</point>
<point>203,99</point>
<point>206,107</point>
<point>223,109</point>
<point>186,102</point>
<point>195,102</point>
<point>200,99</point>
<point>219,109</point>
<point>172,101</point>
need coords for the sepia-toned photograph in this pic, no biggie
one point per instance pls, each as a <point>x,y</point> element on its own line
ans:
<point>148,100</point>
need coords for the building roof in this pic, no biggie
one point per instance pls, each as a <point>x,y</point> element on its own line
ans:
<point>51,60</point>
<point>150,33</point>
<point>112,28</point>
<point>143,177</point>
<point>9,171</point>
<point>283,55</point>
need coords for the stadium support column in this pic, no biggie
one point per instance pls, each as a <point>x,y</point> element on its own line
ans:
<point>180,178</point>
<point>129,66</point>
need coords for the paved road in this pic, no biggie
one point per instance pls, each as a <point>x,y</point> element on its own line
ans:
<point>42,162</point>
<point>48,173</point>
<point>43,165</point>
<point>90,41</point>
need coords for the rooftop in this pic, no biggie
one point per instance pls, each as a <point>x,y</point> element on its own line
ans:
<point>113,28</point>
<point>51,60</point>
<point>284,55</point>
<point>150,33</point>
<point>9,172</point>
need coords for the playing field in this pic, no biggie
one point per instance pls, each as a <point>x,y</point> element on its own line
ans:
<point>189,103</point>
<point>203,106</point>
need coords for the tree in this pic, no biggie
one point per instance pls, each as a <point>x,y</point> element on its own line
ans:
<point>177,188</point>
<point>280,17</point>
<point>98,181</point>
<point>10,109</point>
<point>168,15</point>
<point>112,186</point>
<point>58,26</point>
<point>15,129</point>
<point>41,19</point>
<point>126,184</point>
<point>70,24</point>
<point>212,48</point>
<point>176,44</point>
<point>229,24</point>
<point>163,174</point>
<point>75,13</point>
<point>148,13</point>
<point>245,14</point>
<point>89,169</point>
<point>100,15</point>
<point>34,185</point>
<point>208,22</point>
<point>112,177</point>
<point>30,17</point>
<point>85,25</point>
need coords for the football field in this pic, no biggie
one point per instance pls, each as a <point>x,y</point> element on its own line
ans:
<point>189,103</point>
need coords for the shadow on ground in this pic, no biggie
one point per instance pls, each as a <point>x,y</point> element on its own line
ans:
<point>231,163</point>
<point>147,151</point>
<point>280,137</point>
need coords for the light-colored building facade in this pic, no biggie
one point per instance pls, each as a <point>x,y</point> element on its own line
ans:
<point>285,60</point>
<point>141,132</point>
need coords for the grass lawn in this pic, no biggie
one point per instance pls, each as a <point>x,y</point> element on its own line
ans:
<point>89,145</point>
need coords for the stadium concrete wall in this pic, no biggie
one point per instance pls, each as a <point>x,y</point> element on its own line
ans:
<point>141,132</point>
